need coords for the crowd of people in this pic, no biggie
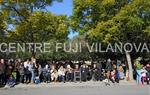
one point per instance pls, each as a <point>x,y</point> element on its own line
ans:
<point>27,71</point>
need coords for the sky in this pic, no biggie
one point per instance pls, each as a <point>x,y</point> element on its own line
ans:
<point>65,8</point>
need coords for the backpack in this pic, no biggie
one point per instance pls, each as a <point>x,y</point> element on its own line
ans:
<point>27,71</point>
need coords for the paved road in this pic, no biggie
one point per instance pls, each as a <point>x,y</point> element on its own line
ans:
<point>78,89</point>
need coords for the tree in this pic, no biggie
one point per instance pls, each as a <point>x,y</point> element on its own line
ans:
<point>41,27</point>
<point>18,13</point>
<point>2,28</point>
<point>19,10</point>
<point>87,13</point>
<point>116,21</point>
<point>127,25</point>
<point>81,53</point>
<point>3,32</point>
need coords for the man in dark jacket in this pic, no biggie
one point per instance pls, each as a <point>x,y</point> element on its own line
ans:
<point>2,72</point>
<point>28,75</point>
<point>148,72</point>
<point>21,70</point>
<point>84,73</point>
<point>108,69</point>
<point>99,66</point>
<point>95,72</point>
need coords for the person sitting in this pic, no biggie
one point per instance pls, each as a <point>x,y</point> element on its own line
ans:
<point>69,73</point>
<point>89,72</point>
<point>37,80</point>
<point>105,79</point>
<point>121,73</point>
<point>54,73</point>
<point>46,74</point>
<point>112,76</point>
<point>83,73</point>
<point>11,82</point>
<point>61,74</point>
<point>95,74</point>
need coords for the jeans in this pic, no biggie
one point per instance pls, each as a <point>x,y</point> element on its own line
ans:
<point>138,76</point>
<point>69,76</point>
<point>61,78</point>
<point>32,75</point>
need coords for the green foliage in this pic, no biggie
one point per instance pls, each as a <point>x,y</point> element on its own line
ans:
<point>147,30</point>
<point>112,20</point>
<point>88,13</point>
<point>2,28</point>
<point>32,23</point>
<point>41,27</point>
<point>19,10</point>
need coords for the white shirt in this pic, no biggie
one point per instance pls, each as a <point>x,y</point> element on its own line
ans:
<point>61,72</point>
<point>29,66</point>
<point>25,64</point>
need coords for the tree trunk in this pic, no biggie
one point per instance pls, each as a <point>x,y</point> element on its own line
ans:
<point>128,57</point>
<point>33,52</point>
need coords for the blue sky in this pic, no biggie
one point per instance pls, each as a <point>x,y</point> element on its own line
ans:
<point>64,7</point>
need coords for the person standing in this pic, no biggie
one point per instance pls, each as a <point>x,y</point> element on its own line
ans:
<point>95,74</point>
<point>138,67</point>
<point>144,75</point>
<point>2,72</point>
<point>28,74</point>
<point>21,70</point>
<point>9,71</point>
<point>32,69</point>
<point>99,66</point>
<point>16,69</point>
<point>108,69</point>
<point>83,72</point>
<point>148,72</point>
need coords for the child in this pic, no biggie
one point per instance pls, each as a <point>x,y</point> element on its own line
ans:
<point>112,76</point>
<point>143,75</point>
<point>37,80</point>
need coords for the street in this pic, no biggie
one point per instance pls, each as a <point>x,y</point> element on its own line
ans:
<point>77,89</point>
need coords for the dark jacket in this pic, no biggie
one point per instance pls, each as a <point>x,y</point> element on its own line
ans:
<point>21,70</point>
<point>2,68</point>
<point>108,66</point>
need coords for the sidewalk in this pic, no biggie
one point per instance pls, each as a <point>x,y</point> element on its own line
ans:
<point>72,84</point>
